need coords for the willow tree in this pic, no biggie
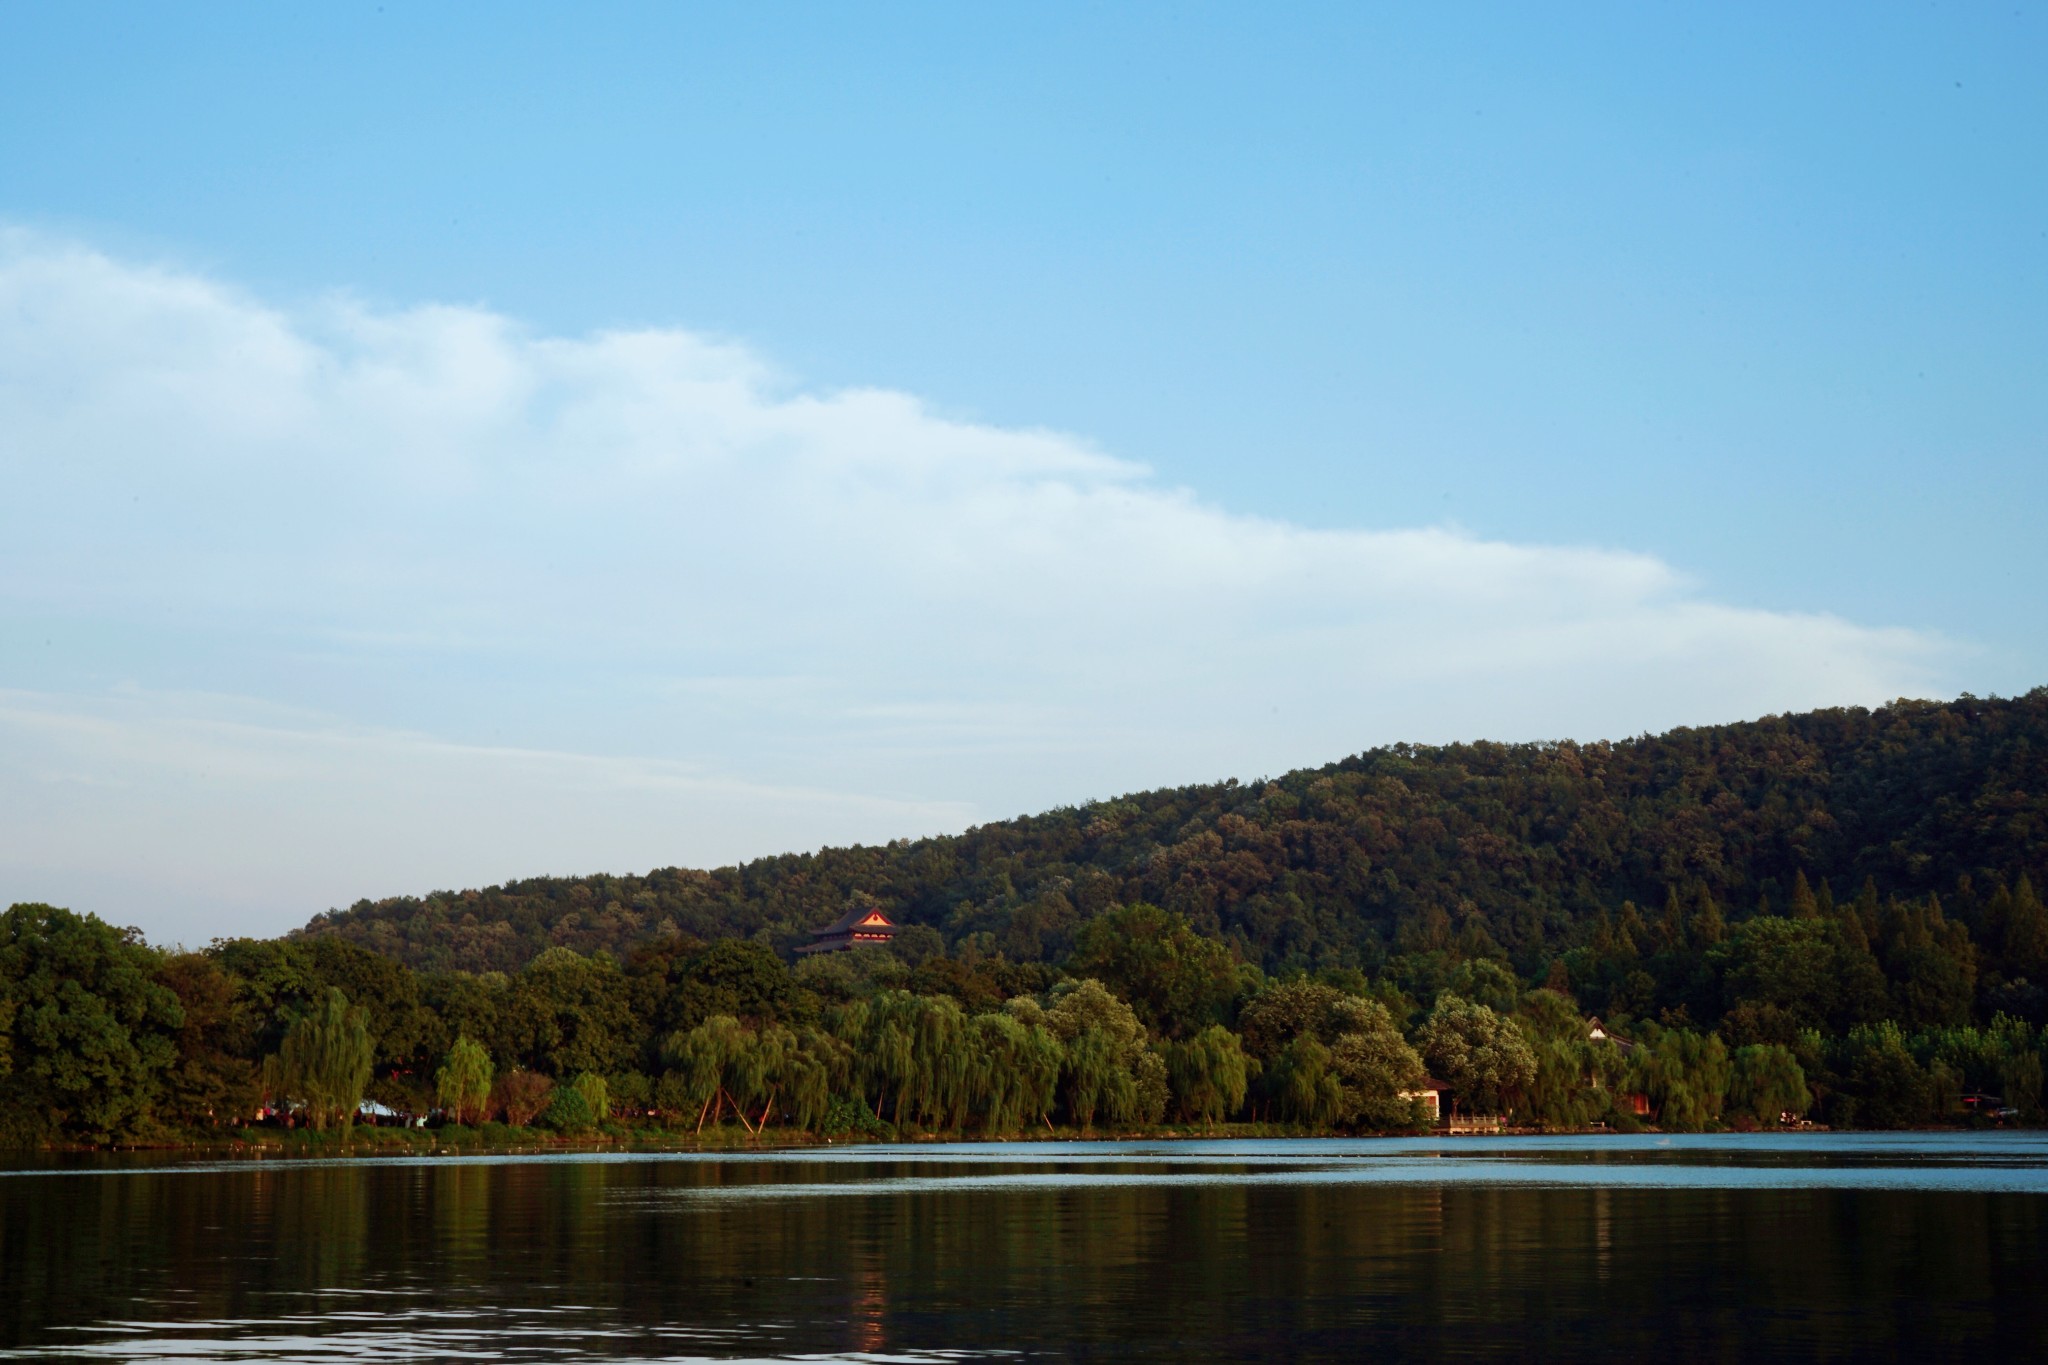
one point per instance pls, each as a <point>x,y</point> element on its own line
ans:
<point>1684,1073</point>
<point>324,1062</point>
<point>1110,1065</point>
<point>1018,1070</point>
<point>463,1084</point>
<point>1209,1074</point>
<point>1766,1082</point>
<point>814,1065</point>
<point>707,1062</point>
<point>1302,1082</point>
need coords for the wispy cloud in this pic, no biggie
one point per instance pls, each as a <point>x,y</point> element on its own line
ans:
<point>200,815</point>
<point>447,543</point>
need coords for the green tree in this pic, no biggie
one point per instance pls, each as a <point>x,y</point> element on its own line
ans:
<point>1765,1082</point>
<point>596,1095</point>
<point>2021,924</point>
<point>1021,1062</point>
<point>1110,1063</point>
<point>1381,1076</point>
<point>566,1013</point>
<point>736,978</point>
<point>1685,1073</point>
<point>1576,1074</point>
<point>1287,1010</point>
<point>570,1110</point>
<point>1208,1075</point>
<point>86,1028</point>
<point>1882,1085</point>
<point>1480,1055</point>
<point>1814,972</point>
<point>463,1084</point>
<point>213,1080</point>
<point>384,989</point>
<point>1930,962</point>
<point>1303,1084</point>
<point>521,1096</point>
<point>325,1062</point>
<point>707,1063</point>
<point>1176,981</point>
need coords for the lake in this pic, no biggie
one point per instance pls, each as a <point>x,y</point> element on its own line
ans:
<point>1737,1248</point>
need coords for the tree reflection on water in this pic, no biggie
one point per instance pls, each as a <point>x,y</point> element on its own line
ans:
<point>585,1258</point>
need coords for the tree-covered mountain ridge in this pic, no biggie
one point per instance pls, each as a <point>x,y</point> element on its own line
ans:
<point>1387,859</point>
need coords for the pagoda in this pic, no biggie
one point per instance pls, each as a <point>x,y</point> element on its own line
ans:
<point>862,924</point>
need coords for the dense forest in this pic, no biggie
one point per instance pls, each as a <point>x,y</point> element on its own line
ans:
<point>1397,860</point>
<point>1831,915</point>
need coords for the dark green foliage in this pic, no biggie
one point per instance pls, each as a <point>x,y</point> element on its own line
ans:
<point>568,1013</point>
<point>1766,1082</point>
<point>1176,980</point>
<point>741,979</point>
<point>1807,971</point>
<point>569,1111</point>
<point>1836,911</point>
<point>846,1118</point>
<point>1882,1085</point>
<point>87,1031</point>
<point>213,1081</point>
<point>1482,1056</point>
<point>1427,854</point>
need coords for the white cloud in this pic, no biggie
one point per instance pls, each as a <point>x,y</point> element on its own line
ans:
<point>445,542</point>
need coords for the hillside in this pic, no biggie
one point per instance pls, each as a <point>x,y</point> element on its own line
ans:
<point>1406,849</point>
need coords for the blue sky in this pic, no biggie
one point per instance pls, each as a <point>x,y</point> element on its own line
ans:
<point>1489,372</point>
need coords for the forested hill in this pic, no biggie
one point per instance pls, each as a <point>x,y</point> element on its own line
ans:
<point>1408,849</point>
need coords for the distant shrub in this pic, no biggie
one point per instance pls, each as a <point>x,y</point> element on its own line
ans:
<point>850,1118</point>
<point>568,1111</point>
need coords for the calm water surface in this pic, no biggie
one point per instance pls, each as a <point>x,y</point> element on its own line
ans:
<point>1656,1249</point>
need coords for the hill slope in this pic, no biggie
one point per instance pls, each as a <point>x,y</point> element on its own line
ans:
<point>1403,848</point>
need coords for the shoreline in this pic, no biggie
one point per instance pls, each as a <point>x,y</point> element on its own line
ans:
<point>415,1143</point>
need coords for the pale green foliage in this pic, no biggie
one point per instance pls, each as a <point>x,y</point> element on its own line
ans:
<point>324,1062</point>
<point>1208,1074</point>
<point>1111,1067</point>
<point>814,1067</point>
<point>463,1084</point>
<point>1766,1081</point>
<point>706,1063</point>
<point>596,1094</point>
<point>1018,1069</point>
<point>1685,1074</point>
<point>723,1063</point>
<point>1575,1075</point>
<point>1302,1081</point>
<point>2003,1057</point>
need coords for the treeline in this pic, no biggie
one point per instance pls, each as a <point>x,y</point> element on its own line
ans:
<point>1855,1011</point>
<point>1528,852</point>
